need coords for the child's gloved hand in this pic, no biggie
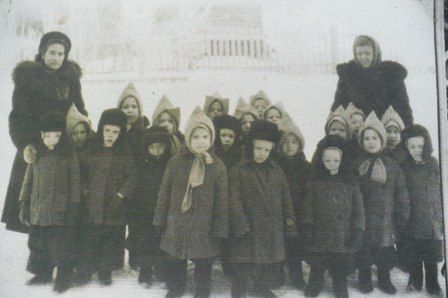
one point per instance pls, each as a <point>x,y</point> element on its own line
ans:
<point>30,153</point>
<point>24,216</point>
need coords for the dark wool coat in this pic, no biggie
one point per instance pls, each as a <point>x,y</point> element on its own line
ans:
<point>51,187</point>
<point>398,153</point>
<point>231,157</point>
<point>36,92</point>
<point>423,180</point>
<point>373,89</point>
<point>334,208</point>
<point>261,213</point>
<point>194,234</point>
<point>108,171</point>
<point>386,205</point>
<point>133,138</point>
<point>297,171</point>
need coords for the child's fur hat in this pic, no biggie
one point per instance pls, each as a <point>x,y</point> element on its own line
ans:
<point>417,130</point>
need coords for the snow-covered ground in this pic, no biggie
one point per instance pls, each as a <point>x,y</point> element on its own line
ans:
<point>307,98</point>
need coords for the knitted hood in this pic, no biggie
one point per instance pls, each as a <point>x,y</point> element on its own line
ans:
<point>289,127</point>
<point>198,119</point>
<point>259,95</point>
<point>130,91</point>
<point>363,40</point>
<point>243,108</point>
<point>339,115</point>
<point>165,105</point>
<point>352,110</point>
<point>374,123</point>
<point>391,118</point>
<point>210,99</point>
<point>73,118</point>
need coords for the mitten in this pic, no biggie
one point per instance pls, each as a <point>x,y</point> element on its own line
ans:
<point>24,216</point>
<point>72,215</point>
<point>30,153</point>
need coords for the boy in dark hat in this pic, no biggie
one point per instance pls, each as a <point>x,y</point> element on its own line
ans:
<point>111,176</point>
<point>334,212</point>
<point>50,199</point>
<point>424,234</point>
<point>156,152</point>
<point>261,212</point>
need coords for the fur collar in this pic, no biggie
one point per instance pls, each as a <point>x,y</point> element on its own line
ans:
<point>388,69</point>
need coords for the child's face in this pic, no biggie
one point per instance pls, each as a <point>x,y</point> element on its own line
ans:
<point>130,108</point>
<point>54,56</point>
<point>156,149</point>
<point>200,140</point>
<point>290,145</point>
<point>331,159</point>
<point>274,116</point>
<point>371,141</point>
<point>364,55</point>
<point>79,135</point>
<point>356,120</point>
<point>165,120</point>
<point>393,136</point>
<point>227,138</point>
<point>51,138</point>
<point>246,122</point>
<point>338,129</point>
<point>262,149</point>
<point>110,134</point>
<point>215,109</point>
<point>415,146</point>
<point>260,105</point>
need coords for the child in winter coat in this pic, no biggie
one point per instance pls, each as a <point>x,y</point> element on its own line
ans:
<point>261,213</point>
<point>394,126</point>
<point>228,149</point>
<point>156,152</point>
<point>356,117</point>
<point>111,176</point>
<point>216,106</point>
<point>130,104</point>
<point>386,203</point>
<point>297,171</point>
<point>334,213</point>
<point>166,115</point>
<point>192,208</point>
<point>425,230</point>
<point>260,102</point>
<point>50,199</point>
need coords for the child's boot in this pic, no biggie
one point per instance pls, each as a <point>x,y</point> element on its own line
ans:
<point>432,284</point>
<point>384,282</point>
<point>145,275</point>
<point>296,275</point>
<point>105,277</point>
<point>63,279</point>
<point>44,276</point>
<point>315,282</point>
<point>340,286</point>
<point>415,282</point>
<point>365,280</point>
<point>262,290</point>
<point>202,279</point>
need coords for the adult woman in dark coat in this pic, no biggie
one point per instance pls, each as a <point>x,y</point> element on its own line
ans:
<point>371,84</point>
<point>50,83</point>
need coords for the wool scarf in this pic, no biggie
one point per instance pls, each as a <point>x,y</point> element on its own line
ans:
<point>374,168</point>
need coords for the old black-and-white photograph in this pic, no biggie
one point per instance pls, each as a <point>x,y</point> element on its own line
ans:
<point>252,148</point>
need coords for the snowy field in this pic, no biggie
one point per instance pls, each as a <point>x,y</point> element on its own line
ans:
<point>307,99</point>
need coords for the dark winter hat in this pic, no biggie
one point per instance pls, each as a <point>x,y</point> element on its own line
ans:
<point>417,130</point>
<point>113,117</point>
<point>264,130</point>
<point>53,37</point>
<point>334,142</point>
<point>156,134</point>
<point>52,121</point>
<point>227,121</point>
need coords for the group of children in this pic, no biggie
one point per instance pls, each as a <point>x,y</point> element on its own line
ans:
<point>238,188</point>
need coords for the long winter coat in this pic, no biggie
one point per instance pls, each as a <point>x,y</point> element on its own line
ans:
<point>373,89</point>
<point>423,180</point>
<point>36,92</point>
<point>386,205</point>
<point>334,208</point>
<point>108,171</point>
<point>261,213</point>
<point>134,136</point>
<point>51,187</point>
<point>196,233</point>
